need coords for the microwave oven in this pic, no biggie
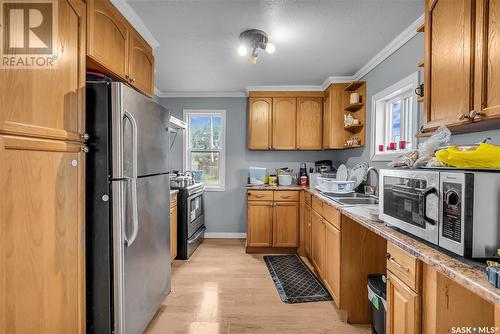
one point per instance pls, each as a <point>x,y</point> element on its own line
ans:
<point>455,209</point>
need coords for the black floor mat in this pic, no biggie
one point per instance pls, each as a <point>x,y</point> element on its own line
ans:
<point>294,281</point>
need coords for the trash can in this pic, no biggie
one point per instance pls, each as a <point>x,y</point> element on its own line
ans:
<point>378,302</point>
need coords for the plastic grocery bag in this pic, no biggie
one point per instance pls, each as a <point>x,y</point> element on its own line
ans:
<point>484,156</point>
<point>426,149</point>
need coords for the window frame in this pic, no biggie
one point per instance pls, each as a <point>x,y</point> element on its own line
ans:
<point>222,151</point>
<point>379,103</point>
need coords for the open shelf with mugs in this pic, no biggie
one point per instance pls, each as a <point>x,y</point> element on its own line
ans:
<point>354,114</point>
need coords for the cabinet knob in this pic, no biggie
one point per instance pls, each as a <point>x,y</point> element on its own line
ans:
<point>474,114</point>
<point>463,117</point>
<point>132,80</point>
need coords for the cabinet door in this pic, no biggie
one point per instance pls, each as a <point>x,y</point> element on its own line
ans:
<point>318,241</point>
<point>259,123</point>
<point>307,230</point>
<point>327,116</point>
<point>49,103</point>
<point>42,238</point>
<point>173,232</point>
<point>286,224</point>
<point>403,308</point>
<point>487,74</point>
<point>332,260</point>
<point>333,117</point>
<point>140,64</point>
<point>260,224</point>
<point>107,34</point>
<point>284,123</point>
<point>309,123</point>
<point>449,55</point>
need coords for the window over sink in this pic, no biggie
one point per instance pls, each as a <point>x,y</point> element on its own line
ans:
<point>394,119</point>
<point>204,146</point>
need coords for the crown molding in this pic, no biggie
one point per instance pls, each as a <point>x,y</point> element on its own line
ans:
<point>129,13</point>
<point>199,94</point>
<point>328,81</point>
<point>390,48</point>
<point>295,88</point>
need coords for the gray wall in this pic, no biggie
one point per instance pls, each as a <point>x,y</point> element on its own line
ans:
<point>226,211</point>
<point>399,65</point>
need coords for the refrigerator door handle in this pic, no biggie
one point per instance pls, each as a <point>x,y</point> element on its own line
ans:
<point>133,123</point>
<point>132,182</point>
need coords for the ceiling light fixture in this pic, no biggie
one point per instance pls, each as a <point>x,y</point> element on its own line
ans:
<point>254,40</point>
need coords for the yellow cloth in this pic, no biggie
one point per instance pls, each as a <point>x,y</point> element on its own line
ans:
<point>485,156</point>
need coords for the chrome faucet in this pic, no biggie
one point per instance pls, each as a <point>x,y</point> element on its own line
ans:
<point>371,168</point>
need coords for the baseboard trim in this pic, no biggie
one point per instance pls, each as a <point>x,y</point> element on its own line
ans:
<point>217,235</point>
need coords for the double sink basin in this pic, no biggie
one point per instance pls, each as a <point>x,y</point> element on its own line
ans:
<point>352,199</point>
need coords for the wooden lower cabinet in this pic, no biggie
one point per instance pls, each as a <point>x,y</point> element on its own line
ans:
<point>260,224</point>
<point>447,304</point>
<point>285,231</point>
<point>403,307</point>
<point>42,275</point>
<point>173,230</point>
<point>272,223</point>
<point>307,230</point>
<point>332,261</point>
<point>318,242</point>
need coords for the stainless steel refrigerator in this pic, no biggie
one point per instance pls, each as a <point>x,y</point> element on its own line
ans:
<point>128,209</point>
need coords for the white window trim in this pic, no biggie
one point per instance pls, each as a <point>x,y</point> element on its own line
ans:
<point>410,82</point>
<point>185,155</point>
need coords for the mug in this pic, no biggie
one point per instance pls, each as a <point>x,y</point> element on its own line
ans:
<point>354,98</point>
<point>420,90</point>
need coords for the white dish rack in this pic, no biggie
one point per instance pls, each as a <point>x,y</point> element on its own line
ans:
<point>335,186</point>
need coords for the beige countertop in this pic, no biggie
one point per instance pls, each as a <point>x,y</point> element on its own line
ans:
<point>466,272</point>
<point>268,187</point>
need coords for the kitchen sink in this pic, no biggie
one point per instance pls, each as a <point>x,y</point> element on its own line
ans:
<point>349,195</point>
<point>356,201</point>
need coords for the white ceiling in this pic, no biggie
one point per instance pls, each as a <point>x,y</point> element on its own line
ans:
<point>314,39</point>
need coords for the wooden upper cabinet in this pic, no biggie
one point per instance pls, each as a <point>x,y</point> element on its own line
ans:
<point>42,247</point>
<point>403,308</point>
<point>333,117</point>
<point>140,64</point>
<point>284,123</point>
<point>487,74</point>
<point>286,225</point>
<point>259,123</point>
<point>107,36</point>
<point>449,55</point>
<point>50,103</point>
<point>309,123</point>
<point>260,224</point>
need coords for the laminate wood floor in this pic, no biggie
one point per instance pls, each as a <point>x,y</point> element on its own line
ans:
<point>220,289</point>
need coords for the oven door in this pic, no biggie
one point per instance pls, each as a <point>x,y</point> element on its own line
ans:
<point>195,212</point>
<point>409,200</point>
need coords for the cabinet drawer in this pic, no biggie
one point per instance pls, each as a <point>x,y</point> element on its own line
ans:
<point>307,198</point>
<point>289,196</point>
<point>317,205</point>
<point>405,266</point>
<point>260,195</point>
<point>332,215</point>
